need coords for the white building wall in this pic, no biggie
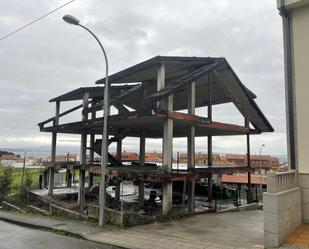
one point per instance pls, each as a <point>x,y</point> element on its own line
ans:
<point>300,26</point>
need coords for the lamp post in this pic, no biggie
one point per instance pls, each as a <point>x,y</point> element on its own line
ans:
<point>104,157</point>
<point>261,186</point>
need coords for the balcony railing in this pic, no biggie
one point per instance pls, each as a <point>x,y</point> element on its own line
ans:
<point>281,181</point>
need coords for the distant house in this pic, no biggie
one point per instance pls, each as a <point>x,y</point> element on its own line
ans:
<point>34,160</point>
<point>130,156</point>
<point>19,162</point>
<point>266,162</point>
<point>7,159</point>
<point>153,157</point>
<point>69,157</point>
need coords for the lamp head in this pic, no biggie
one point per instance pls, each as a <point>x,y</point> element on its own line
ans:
<point>70,19</point>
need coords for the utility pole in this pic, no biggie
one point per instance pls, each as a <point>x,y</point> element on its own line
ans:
<point>24,166</point>
<point>261,185</point>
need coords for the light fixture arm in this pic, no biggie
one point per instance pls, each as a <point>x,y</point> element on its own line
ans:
<point>103,50</point>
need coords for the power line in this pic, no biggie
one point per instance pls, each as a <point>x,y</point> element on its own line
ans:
<point>36,20</point>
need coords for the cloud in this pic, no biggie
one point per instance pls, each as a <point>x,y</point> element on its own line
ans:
<point>51,57</point>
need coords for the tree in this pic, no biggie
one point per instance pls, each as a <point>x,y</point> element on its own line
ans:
<point>6,180</point>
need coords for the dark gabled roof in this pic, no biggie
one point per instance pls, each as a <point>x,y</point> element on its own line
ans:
<point>147,70</point>
<point>141,94</point>
<point>179,72</point>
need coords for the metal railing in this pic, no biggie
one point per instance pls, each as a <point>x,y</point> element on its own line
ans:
<point>281,181</point>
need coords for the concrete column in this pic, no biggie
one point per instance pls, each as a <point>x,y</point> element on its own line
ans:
<point>167,165</point>
<point>45,178</point>
<point>92,141</point>
<point>92,136</point>
<point>167,197</point>
<point>209,139</point>
<point>249,196</point>
<point>141,193</point>
<point>40,181</point>
<point>166,104</point>
<point>91,179</point>
<point>117,191</point>
<point>69,178</point>
<point>81,191</point>
<point>191,148</point>
<point>142,145</point>
<point>168,137</point>
<point>119,150</point>
<point>209,165</point>
<point>209,178</point>
<point>51,172</point>
<point>53,152</point>
<point>191,195</point>
<point>160,80</point>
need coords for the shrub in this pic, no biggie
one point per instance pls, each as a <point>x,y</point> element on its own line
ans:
<point>28,180</point>
<point>6,180</point>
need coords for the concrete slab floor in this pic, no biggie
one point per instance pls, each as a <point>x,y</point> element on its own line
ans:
<point>233,229</point>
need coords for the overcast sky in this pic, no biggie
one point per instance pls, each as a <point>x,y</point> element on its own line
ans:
<point>51,57</point>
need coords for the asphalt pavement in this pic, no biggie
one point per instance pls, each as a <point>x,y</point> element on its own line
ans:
<point>18,237</point>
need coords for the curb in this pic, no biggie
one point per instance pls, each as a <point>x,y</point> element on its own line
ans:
<point>56,231</point>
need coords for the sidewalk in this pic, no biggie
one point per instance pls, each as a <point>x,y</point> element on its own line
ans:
<point>185,233</point>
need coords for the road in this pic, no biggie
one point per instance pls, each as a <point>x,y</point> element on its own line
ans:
<point>17,237</point>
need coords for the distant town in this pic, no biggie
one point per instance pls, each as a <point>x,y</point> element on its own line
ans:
<point>266,162</point>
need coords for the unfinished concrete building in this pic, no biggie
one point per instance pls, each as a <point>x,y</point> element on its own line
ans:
<point>151,98</point>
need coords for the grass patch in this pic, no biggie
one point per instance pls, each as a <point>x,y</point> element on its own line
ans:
<point>33,174</point>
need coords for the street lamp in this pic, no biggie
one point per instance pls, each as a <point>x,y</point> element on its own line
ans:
<point>104,157</point>
<point>261,186</point>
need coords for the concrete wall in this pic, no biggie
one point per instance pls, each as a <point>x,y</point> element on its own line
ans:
<point>304,190</point>
<point>282,215</point>
<point>282,207</point>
